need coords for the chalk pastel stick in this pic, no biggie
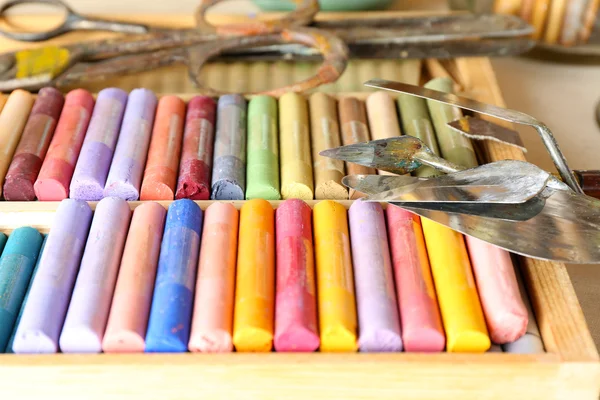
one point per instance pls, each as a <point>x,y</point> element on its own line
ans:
<point>325,134</point>
<point>3,99</point>
<point>421,322</point>
<point>90,303</point>
<point>460,307</point>
<point>262,173</point>
<point>504,310</point>
<point>127,167</point>
<point>55,175</point>
<point>27,161</point>
<point>160,175</point>
<point>295,303</point>
<point>374,282</point>
<point>353,120</point>
<point>3,240</point>
<point>212,321</point>
<point>12,122</point>
<point>294,144</point>
<point>9,347</point>
<point>255,278</point>
<point>16,267</point>
<point>335,280</point>
<point>128,317</point>
<point>531,342</point>
<point>96,154</point>
<point>171,312</point>
<point>47,303</point>
<point>229,169</point>
<point>383,118</point>
<point>197,153</point>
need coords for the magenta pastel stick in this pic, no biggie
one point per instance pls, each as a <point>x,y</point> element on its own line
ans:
<point>127,167</point>
<point>295,301</point>
<point>96,154</point>
<point>50,292</point>
<point>379,322</point>
<point>85,323</point>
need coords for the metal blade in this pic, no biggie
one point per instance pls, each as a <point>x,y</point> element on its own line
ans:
<point>480,129</point>
<point>567,229</point>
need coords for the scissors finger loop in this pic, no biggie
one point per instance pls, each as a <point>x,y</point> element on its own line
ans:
<point>39,36</point>
<point>302,16</point>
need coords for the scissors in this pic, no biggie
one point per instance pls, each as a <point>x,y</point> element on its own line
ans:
<point>297,32</point>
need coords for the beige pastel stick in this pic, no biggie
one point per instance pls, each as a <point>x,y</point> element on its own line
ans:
<point>128,318</point>
<point>383,118</point>
<point>353,119</point>
<point>212,321</point>
<point>556,16</point>
<point>12,121</point>
<point>325,134</point>
<point>294,148</point>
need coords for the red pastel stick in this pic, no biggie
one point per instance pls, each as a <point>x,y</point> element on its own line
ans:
<point>295,302</point>
<point>422,329</point>
<point>196,157</point>
<point>30,153</point>
<point>54,179</point>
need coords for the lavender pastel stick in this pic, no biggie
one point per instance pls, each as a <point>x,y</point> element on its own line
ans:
<point>50,292</point>
<point>378,316</point>
<point>229,165</point>
<point>127,167</point>
<point>87,315</point>
<point>96,153</point>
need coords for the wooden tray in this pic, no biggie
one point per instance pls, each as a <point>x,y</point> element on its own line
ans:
<point>569,369</point>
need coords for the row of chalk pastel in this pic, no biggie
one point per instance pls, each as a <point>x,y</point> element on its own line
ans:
<point>136,147</point>
<point>289,278</point>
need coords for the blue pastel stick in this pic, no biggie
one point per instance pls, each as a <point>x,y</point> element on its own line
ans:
<point>16,266</point>
<point>3,239</point>
<point>12,336</point>
<point>171,312</point>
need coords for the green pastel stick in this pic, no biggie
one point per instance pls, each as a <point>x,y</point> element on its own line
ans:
<point>416,122</point>
<point>454,147</point>
<point>262,170</point>
<point>12,336</point>
<point>16,267</point>
<point>3,239</point>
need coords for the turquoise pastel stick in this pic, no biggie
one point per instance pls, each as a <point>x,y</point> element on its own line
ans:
<point>16,267</point>
<point>2,241</point>
<point>12,336</point>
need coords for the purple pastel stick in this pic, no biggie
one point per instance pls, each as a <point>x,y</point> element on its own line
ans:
<point>44,312</point>
<point>86,319</point>
<point>127,167</point>
<point>98,147</point>
<point>378,315</point>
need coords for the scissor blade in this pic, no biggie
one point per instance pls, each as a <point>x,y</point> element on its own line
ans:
<point>567,229</point>
<point>398,155</point>
<point>452,99</point>
<point>368,184</point>
<point>481,129</point>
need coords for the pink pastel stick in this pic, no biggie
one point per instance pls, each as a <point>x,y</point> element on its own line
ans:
<point>379,323</point>
<point>88,311</point>
<point>212,320</point>
<point>295,302</point>
<point>422,329</point>
<point>505,312</point>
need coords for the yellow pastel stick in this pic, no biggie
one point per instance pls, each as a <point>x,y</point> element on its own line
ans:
<point>335,280</point>
<point>255,278</point>
<point>294,148</point>
<point>460,307</point>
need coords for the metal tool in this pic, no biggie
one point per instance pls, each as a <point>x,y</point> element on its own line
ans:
<point>334,41</point>
<point>502,113</point>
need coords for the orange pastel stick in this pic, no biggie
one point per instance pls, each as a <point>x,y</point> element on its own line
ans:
<point>255,279</point>
<point>160,175</point>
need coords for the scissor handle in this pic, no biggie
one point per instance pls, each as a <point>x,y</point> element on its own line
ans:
<point>333,49</point>
<point>303,15</point>
<point>73,21</point>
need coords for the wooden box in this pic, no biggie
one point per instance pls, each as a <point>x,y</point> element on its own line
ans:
<point>570,368</point>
